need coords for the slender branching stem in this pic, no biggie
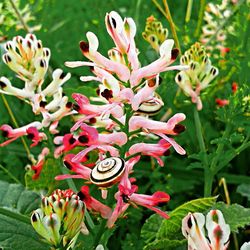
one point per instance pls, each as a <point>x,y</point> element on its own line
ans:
<point>208,174</point>
<point>19,16</point>
<point>10,174</point>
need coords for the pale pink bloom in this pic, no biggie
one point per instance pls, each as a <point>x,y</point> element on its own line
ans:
<point>127,196</point>
<point>154,150</point>
<point>171,127</point>
<point>40,163</point>
<point>145,93</point>
<point>84,107</point>
<point>118,138</point>
<point>167,57</point>
<point>123,33</point>
<point>92,204</point>
<point>14,134</point>
<point>102,149</point>
<point>217,230</point>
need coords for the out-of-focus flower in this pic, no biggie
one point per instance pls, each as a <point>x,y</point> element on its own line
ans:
<point>245,246</point>
<point>154,33</point>
<point>234,87</point>
<point>221,102</point>
<point>214,15</point>
<point>198,76</point>
<point>59,219</point>
<point>218,231</point>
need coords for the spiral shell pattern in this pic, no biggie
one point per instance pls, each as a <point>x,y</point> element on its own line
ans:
<point>151,107</point>
<point>107,172</point>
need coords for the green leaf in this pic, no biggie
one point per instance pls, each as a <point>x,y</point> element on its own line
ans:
<point>165,244</point>
<point>243,189</point>
<point>16,204</point>
<point>235,215</point>
<point>171,228</point>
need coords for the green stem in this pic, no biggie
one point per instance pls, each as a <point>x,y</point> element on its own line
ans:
<point>200,18</point>
<point>219,150</point>
<point>116,121</point>
<point>99,233</point>
<point>15,124</point>
<point>208,174</point>
<point>10,174</point>
<point>19,16</point>
<point>189,10</point>
<point>172,25</point>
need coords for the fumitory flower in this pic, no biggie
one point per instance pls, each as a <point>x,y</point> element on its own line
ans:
<point>218,231</point>
<point>198,76</point>
<point>59,219</point>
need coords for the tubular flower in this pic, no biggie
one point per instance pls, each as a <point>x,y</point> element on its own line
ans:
<point>92,204</point>
<point>198,76</point>
<point>160,128</point>
<point>217,230</point>
<point>127,196</point>
<point>30,130</point>
<point>154,33</point>
<point>59,219</point>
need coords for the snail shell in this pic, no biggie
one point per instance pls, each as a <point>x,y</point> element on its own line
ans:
<point>151,107</point>
<point>107,172</point>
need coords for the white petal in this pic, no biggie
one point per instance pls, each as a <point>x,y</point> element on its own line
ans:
<point>166,48</point>
<point>93,41</point>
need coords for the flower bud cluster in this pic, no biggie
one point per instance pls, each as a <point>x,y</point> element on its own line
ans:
<point>59,219</point>
<point>200,73</point>
<point>154,33</point>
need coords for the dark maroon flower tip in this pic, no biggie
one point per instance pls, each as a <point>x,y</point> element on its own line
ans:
<point>174,53</point>
<point>33,217</point>
<point>31,136</point>
<point>2,85</point>
<point>113,22</point>
<point>125,198</point>
<point>84,46</point>
<point>179,128</point>
<point>76,107</point>
<point>5,133</point>
<point>67,165</point>
<point>81,195</point>
<point>108,94</point>
<point>83,139</point>
<point>72,140</point>
<point>189,222</point>
<point>62,75</point>
<point>42,63</point>
<point>42,104</point>
<point>69,105</point>
<point>167,153</point>
<point>29,44</point>
<point>92,120</point>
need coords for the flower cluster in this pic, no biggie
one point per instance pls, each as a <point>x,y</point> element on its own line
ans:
<point>59,219</point>
<point>214,15</point>
<point>154,33</point>
<point>198,76</point>
<point>30,61</point>
<point>218,231</point>
<point>126,98</point>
